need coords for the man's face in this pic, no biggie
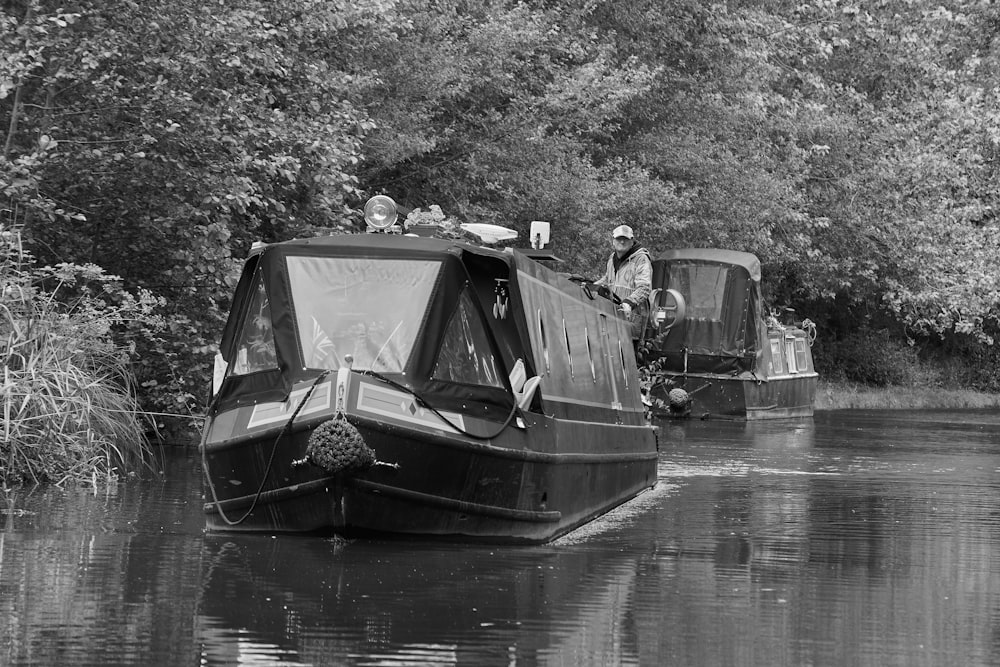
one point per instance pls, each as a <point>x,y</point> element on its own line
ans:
<point>621,244</point>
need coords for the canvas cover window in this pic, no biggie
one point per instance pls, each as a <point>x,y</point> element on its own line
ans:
<point>466,356</point>
<point>255,346</point>
<point>368,308</point>
<point>703,287</point>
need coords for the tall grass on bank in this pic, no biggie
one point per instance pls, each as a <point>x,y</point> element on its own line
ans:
<point>851,395</point>
<point>69,412</point>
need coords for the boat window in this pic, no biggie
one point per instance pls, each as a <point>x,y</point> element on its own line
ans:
<point>255,346</point>
<point>466,355</point>
<point>790,354</point>
<point>703,286</point>
<point>590,355</point>
<point>801,356</point>
<point>621,356</point>
<point>544,341</point>
<point>569,351</point>
<point>777,356</point>
<point>368,308</point>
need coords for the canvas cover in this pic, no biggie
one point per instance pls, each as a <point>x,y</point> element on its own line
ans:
<point>722,331</point>
<point>426,308</point>
<point>378,278</point>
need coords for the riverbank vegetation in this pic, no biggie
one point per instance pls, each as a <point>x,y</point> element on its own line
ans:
<point>70,412</point>
<point>852,396</point>
<point>854,147</point>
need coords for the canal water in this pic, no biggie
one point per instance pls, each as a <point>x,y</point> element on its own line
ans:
<point>853,538</point>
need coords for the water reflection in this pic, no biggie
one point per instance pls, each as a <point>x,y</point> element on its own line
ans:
<point>869,539</point>
<point>327,602</point>
<point>100,578</point>
<point>852,538</point>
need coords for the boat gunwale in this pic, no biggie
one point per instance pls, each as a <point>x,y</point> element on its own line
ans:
<point>756,379</point>
<point>455,441</point>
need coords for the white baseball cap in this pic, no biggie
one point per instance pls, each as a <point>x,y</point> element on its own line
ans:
<point>622,230</point>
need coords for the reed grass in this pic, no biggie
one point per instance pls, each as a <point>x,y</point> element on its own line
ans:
<point>69,410</point>
<point>848,395</point>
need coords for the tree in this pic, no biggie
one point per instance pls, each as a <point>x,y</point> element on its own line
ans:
<point>160,141</point>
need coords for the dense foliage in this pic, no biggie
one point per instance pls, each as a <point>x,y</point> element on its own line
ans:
<point>69,411</point>
<point>852,146</point>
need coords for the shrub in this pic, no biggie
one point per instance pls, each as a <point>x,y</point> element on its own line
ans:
<point>872,358</point>
<point>68,406</point>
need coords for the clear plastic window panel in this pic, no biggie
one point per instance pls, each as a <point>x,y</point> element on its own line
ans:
<point>255,348</point>
<point>703,286</point>
<point>466,356</point>
<point>365,309</point>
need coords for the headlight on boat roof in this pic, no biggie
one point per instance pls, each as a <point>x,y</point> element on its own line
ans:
<point>380,212</point>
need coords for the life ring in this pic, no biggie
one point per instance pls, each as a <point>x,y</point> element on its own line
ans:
<point>669,309</point>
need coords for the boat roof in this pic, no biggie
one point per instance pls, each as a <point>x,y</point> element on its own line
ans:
<point>746,260</point>
<point>382,244</point>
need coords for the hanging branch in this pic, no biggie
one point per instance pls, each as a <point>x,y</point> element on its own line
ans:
<point>15,110</point>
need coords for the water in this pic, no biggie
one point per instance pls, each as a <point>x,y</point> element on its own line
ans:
<point>854,538</point>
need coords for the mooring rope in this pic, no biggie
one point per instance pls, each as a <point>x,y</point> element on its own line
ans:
<point>270,460</point>
<point>424,403</point>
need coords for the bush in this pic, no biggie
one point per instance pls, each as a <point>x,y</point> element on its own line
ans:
<point>69,410</point>
<point>966,362</point>
<point>872,358</point>
<point>875,359</point>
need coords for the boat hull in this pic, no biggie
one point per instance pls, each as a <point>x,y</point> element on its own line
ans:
<point>433,484</point>
<point>737,398</point>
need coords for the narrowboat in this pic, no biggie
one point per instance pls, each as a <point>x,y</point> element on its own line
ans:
<point>711,352</point>
<point>407,385</point>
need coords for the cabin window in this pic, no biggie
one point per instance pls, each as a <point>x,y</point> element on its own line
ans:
<point>569,351</point>
<point>368,308</point>
<point>466,356</point>
<point>590,355</point>
<point>801,355</point>
<point>777,356</point>
<point>621,357</point>
<point>255,347</point>
<point>544,341</point>
<point>790,354</point>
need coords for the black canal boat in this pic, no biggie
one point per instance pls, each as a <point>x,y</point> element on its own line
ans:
<point>392,384</point>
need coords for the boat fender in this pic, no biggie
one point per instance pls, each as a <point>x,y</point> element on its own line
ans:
<point>679,402</point>
<point>337,446</point>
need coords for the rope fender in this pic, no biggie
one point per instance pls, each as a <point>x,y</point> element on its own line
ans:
<point>337,446</point>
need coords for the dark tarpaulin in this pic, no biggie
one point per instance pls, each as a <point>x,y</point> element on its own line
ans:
<point>722,327</point>
<point>270,266</point>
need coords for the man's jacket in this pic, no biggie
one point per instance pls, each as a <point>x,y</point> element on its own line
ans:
<point>631,279</point>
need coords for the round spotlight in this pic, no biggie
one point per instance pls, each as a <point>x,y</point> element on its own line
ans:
<point>380,212</point>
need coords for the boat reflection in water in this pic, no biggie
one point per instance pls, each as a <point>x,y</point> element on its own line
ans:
<point>710,350</point>
<point>381,383</point>
<point>325,601</point>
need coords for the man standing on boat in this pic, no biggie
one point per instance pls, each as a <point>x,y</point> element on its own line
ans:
<point>629,277</point>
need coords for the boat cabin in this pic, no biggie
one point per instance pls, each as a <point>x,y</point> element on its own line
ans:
<point>451,321</point>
